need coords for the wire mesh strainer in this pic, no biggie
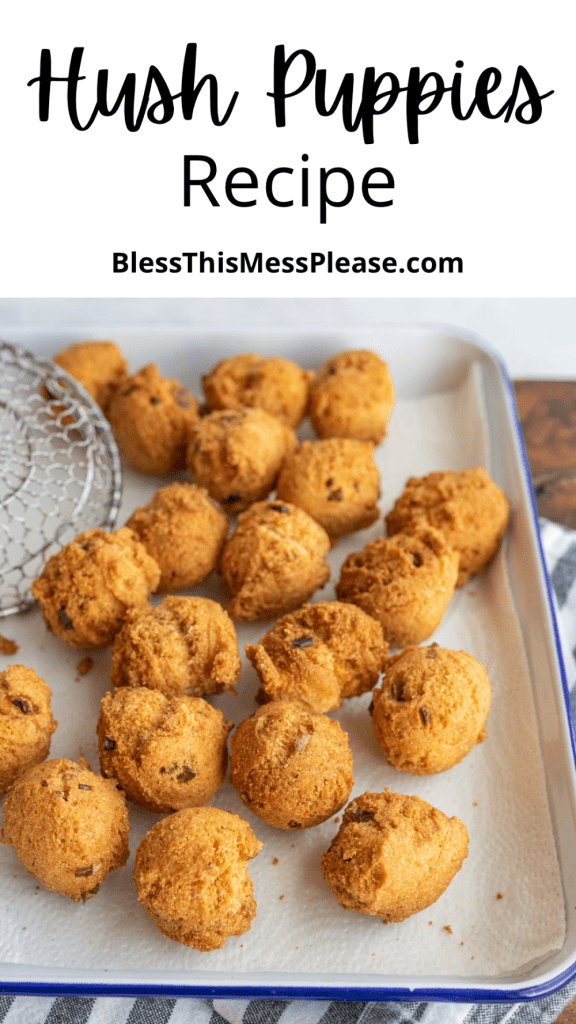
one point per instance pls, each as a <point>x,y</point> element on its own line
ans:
<point>59,469</point>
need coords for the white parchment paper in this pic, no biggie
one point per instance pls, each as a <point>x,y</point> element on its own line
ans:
<point>503,910</point>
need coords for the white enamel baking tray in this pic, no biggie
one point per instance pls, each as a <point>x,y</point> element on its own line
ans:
<point>306,946</point>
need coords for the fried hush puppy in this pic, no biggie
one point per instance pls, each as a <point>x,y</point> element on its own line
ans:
<point>405,582</point>
<point>166,752</point>
<point>352,396</point>
<point>431,708</point>
<point>98,365</point>
<point>274,561</point>
<point>318,655</point>
<point>191,876</point>
<point>278,386</point>
<point>184,645</point>
<point>291,768</point>
<point>26,723</point>
<point>236,455</point>
<point>86,589</point>
<point>467,507</point>
<point>393,855</point>
<point>68,826</point>
<point>335,481</point>
<point>151,419</point>
<point>183,531</point>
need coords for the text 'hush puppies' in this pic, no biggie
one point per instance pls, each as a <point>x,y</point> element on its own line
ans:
<point>430,709</point>
<point>352,396</point>
<point>319,655</point>
<point>86,589</point>
<point>182,645</point>
<point>467,507</point>
<point>191,876</point>
<point>274,561</point>
<point>236,455</point>
<point>405,582</point>
<point>393,855</point>
<point>68,826</point>
<point>166,752</point>
<point>278,386</point>
<point>291,768</point>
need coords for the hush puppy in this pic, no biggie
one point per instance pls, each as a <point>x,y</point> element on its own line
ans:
<point>191,876</point>
<point>393,855</point>
<point>236,455</point>
<point>86,589</point>
<point>319,655</point>
<point>405,582</point>
<point>352,396</point>
<point>276,385</point>
<point>184,645</point>
<point>151,419</point>
<point>467,507</point>
<point>274,561</point>
<point>431,708</point>
<point>26,723</point>
<point>183,530</point>
<point>335,481</point>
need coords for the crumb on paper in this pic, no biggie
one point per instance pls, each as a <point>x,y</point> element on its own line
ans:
<point>447,928</point>
<point>84,666</point>
<point>474,803</point>
<point>429,922</point>
<point>336,820</point>
<point>499,896</point>
<point>281,897</point>
<point>275,861</point>
<point>461,943</point>
<point>8,646</point>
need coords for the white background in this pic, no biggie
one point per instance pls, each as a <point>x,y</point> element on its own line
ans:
<point>535,337</point>
<point>498,195</point>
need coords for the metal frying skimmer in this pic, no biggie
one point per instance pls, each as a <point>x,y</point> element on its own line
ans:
<point>59,469</point>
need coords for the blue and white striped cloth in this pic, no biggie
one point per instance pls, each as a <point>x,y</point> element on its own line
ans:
<point>560,551</point>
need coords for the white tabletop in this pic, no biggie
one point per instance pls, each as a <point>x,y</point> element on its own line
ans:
<point>535,337</point>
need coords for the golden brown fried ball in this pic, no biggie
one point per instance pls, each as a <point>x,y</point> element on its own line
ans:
<point>26,722</point>
<point>431,708</point>
<point>236,455</point>
<point>320,654</point>
<point>86,589</point>
<point>191,876</point>
<point>68,826</point>
<point>182,645</point>
<point>335,481</point>
<point>276,385</point>
<point>352,396</point>
<point>166,752</point>
<point>98,365</point>
<point>393,855</point>
<point>183,530</point>
<point>151,418</point>
<point>467,507</point>
<point>274,561</point>
<point>405,582</point>
<point>291,768</point>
